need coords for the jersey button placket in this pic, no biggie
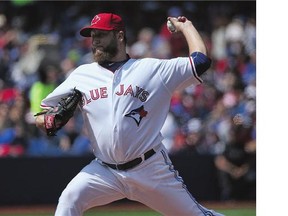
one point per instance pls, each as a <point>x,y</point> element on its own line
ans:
<point>115,83</point>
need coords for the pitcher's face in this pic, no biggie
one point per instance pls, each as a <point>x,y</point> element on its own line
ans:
<point>104,45</point>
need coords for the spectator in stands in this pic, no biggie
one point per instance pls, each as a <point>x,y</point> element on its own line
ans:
<point>193,138</point>
<point>142,48</point>
<point>48,76</point>
<point>237,164</point>
<point>13,136</point>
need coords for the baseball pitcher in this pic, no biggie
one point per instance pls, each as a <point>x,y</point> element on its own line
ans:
<point>124,103</point>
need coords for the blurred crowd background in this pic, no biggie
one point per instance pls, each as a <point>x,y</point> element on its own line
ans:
<point>40,45</point>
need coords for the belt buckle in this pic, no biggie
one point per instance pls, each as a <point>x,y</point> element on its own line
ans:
<point>142,156</point>
<point>116,166</point>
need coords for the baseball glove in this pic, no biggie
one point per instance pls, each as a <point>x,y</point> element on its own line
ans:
<point>56,117</point>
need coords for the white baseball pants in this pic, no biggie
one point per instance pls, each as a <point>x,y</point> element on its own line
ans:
<point>154,183</point>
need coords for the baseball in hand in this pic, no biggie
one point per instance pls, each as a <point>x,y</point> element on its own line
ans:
<point>170,26</point>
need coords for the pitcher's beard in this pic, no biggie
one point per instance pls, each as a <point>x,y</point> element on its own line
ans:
<point>106,54</point>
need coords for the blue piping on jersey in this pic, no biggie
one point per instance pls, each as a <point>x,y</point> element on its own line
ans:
<point>179,178</point>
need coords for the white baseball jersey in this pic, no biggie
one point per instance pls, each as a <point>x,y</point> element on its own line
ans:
<point>125,110</point>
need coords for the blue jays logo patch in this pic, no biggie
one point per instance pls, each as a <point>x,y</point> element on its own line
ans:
<point>137,114</point>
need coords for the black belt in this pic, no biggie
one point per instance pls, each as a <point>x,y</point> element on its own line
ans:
<point>131,164</point>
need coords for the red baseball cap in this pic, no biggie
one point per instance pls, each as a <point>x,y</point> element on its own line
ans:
<point>104,21</point>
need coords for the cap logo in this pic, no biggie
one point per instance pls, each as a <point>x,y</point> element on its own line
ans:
<point>95,20</point>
